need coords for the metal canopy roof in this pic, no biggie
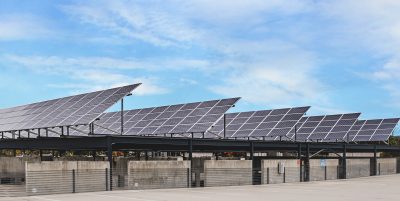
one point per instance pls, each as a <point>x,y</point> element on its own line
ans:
<point>372,130</point>
<point>180,119</point>
<point>327,128</point>
<point>80,109</point>
<point>267,124</point>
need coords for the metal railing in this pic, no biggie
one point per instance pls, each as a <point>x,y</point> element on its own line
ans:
<point>86,180</point>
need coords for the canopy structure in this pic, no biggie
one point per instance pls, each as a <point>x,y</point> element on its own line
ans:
<point>62,113</point>
<point>85,115</point>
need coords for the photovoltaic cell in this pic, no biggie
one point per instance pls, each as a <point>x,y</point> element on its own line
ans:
<point>268,124</point>
<point>73,110</point>
<point>372,130</point>
<point>174,119</point>
<point>327,128</point>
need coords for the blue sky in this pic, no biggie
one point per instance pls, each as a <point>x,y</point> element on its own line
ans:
<point>337,56</point>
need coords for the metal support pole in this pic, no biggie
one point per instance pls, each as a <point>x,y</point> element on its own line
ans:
<point>107,187</point>
<point>307,163</point>
<point>344,162</point>
<point>251,150</point>
<point>284,174</point>
<point>301,163</point>
<point>188,177</point>
<point>73,181</point>
<point>375,162</point>
<point>110,158</point>
<point>224,126</point>
<point>122,116</point>
<point>295,133</point>
<point>190,144</point>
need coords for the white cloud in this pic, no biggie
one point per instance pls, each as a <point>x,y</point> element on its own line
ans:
<point>136,21</point>
<point>374,27</point>
<point>89,73</point>
<point>22,27</point>
<point>264,71</point>
<point>276,77</point>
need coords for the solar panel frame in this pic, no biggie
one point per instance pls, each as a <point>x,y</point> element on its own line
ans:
<point>268,124</point>
<point>373,130</point>
<point>83,108</point>
<point>324,128</point>
<point>195,117</point>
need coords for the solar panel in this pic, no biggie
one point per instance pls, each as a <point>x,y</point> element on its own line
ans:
<point>195,117</point>
<point>328,128</point>
<point>268,124</point>
<point>373,130</point>
<point>73,110</point>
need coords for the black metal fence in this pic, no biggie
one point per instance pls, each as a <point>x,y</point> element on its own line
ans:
<point>87,180</point>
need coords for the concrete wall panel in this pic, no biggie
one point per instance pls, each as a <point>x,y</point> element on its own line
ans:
<point>158,174</point>
<point>358,168</point>
<point>271,175</point>
<point>51,177</point>
<point>227,173</point>
<point>387,166</point>
<point>323,169</point>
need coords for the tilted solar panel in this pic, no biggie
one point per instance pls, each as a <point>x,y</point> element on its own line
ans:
<point>372,130</point>
<point>327,128</point>
<point>73,110</point>
<point>182,119</point>
<point>267,124</point>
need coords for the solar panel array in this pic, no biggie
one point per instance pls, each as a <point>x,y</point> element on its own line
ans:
<point>73,110</point>
<point>372,130</point>
<point>328,128</point>
<point>195,117</point>
<point>269,124</point>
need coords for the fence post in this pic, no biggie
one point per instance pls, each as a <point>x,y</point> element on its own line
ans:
<point>188,177</point>
<point>326,172</point>
<point>107,179</point>
<point>73,181</point>
<point>338,172</point>
<point>268,175</point>
<point>284,174</point>
<point>379,169</point>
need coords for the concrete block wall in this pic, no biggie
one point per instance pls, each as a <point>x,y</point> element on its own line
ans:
<point>358,168</point>
<point>387,166</point>
<point>270,171</point>
<point>51,177</point>
<point>158,174</point>
<point>12,169</point>
<point>228,173</point>
<point>323,169</point>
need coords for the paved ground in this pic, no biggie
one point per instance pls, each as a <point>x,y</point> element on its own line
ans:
<point>363,189</point>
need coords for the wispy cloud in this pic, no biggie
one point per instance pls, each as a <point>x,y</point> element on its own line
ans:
<point>22,27</point>
<point>135,21</point>
<point>264,71</point>
<point>373,26</point>
<point>89,73</point>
